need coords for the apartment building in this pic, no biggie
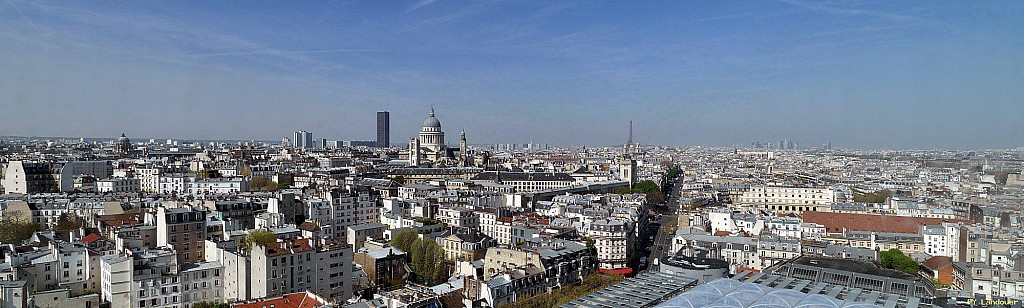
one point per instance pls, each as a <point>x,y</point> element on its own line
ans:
<point>788,199</point>
<point>182,229</point>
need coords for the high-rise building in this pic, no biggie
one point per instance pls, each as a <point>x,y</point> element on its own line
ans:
<point>302,140</point>
<point>383,129</point>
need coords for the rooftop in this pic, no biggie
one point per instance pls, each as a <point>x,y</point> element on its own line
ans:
<point>644,290</point>
<point>837,222</point>
<point>848,265</point>
<point>764,290</point>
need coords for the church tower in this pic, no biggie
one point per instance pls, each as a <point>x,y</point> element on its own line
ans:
<point>464,150</point>
<point>627,164</point>
<point>414,152</point>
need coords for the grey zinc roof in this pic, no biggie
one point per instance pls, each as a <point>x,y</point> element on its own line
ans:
<point>368,226</point>
<point>384,252</point>
<point>525,176</point>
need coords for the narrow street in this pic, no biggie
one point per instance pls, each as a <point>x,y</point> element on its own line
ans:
<point>661,244</point>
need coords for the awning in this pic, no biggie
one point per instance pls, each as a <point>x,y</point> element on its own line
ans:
<point>619,271</point>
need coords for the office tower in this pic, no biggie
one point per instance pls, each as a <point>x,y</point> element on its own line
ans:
<point>302,140</point>
<point>383,129</point>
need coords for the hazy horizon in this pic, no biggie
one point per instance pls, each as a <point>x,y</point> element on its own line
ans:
<point>930,75</point>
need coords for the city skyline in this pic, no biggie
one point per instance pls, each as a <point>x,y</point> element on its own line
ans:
<point>859,75</point>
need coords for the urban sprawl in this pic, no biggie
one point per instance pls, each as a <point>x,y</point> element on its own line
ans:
<point>303,222</point>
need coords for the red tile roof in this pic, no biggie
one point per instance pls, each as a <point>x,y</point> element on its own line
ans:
<point>938,262</point>
<point>836,222</point>
<point>295,300</point>
<point>752,271</point>
<point>288,247</point>
<point>309,226</point>
<point>91,238</point>
<point>117,220</point>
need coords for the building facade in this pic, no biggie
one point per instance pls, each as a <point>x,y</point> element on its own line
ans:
<point>383,129</point>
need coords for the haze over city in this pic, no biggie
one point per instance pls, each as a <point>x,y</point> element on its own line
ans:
<point>937,74</point>
<point>511,154</point>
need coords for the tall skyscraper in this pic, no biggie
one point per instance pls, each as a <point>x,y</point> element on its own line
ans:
<point>383,129</point>
<point>307,140</point>
<point>302,140</point>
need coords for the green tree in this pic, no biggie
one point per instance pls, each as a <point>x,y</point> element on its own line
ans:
<point>589,241</point>
<point>646,186</point>
<point>425,256</point>
<point>260,237</point>
<point>399,179</point>
<point>67,222</point>
<point>15,228</point>
<point>403,240</point>
<point>655,197</point>
<point>880,196</point>
<point>427,262</point>
<point>895,259</point>
<point>565,295</point>
<point>673,171</point>
<point>427,221</point>
<point>259,183</point>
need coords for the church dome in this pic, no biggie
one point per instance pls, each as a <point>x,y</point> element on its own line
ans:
<point>123,145</point>
<point>431,121</point>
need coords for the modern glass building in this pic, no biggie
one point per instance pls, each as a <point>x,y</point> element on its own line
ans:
<point>383,129</point>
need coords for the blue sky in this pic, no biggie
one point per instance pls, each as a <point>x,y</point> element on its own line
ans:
<point>927,74</point>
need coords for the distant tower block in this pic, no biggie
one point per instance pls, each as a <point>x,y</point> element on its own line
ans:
<point>383,129</point>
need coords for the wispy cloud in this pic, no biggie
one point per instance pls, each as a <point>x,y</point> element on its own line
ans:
<point>822,6</point>
<point>467,10</point>
<point>29,20</point>
<point>419,4</point>
<point>284,52</point>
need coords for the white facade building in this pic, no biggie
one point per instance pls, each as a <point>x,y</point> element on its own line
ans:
<point>144,280</point>
<point>202,282</point>
<point>219,186</point>
<point>788,199</point>
<point>118,185</point>
<point>613,240</point>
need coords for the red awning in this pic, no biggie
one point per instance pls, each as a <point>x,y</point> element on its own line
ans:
<point>619,271</point>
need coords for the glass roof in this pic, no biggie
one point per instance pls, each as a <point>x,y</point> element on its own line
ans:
<point>727,292</point>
